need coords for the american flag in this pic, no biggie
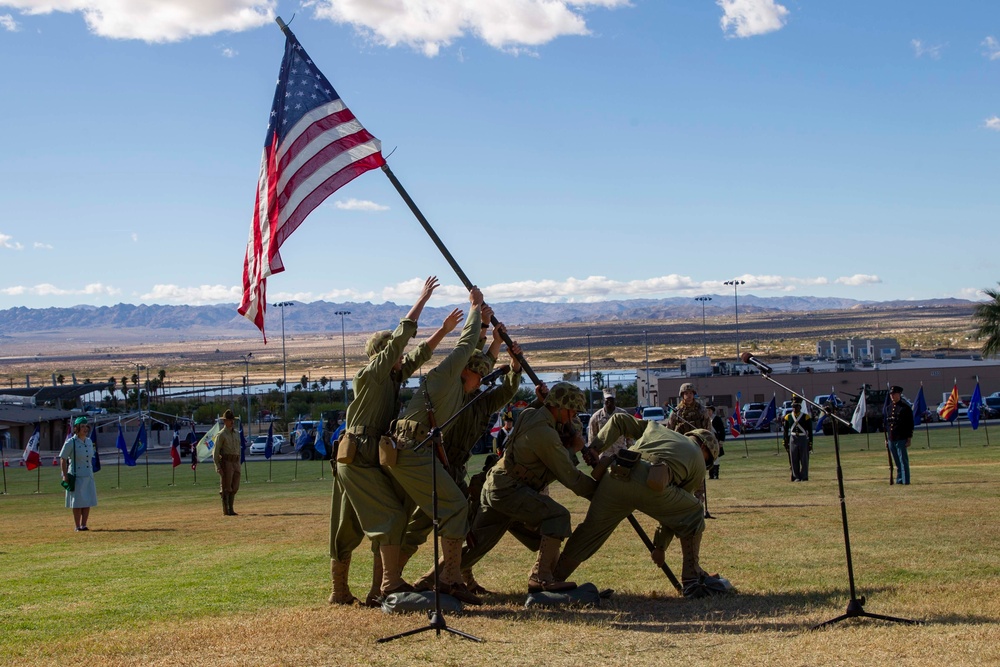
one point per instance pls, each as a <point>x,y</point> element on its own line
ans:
<point>314,146</point>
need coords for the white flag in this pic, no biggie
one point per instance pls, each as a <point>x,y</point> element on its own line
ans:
<point>859,412</point>
<point>206,446</point>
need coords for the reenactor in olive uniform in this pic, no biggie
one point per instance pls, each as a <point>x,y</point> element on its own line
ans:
<point>364,498</point>
<point>798,432</point>
<point>689,413</point>
<point>536,455</point>
<point>459,439</point>
<point>226,456</point>
<point>658,476</point>
<point>446,387</point>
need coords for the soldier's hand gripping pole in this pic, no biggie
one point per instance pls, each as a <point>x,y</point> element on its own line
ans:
<point>454,265</point>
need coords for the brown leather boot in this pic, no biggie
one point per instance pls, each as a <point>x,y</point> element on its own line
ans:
<point>225,503</point>
<point>392,570</point>
<point>450,573</point>
<point>541,577</point>
<point>341,590</point>
<point>564,568</point>
<point>690,555</point>
<point>374,597</point>
<point>232,512</point>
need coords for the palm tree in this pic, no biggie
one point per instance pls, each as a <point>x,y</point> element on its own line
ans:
<point>125,391</point>
<point>279,383</point>
<point>61,379</point>
<point>161,375</point>
<point>987,318</point>
<point>111,391</point>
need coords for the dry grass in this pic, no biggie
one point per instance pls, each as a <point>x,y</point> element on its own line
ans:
<point>166,581</point>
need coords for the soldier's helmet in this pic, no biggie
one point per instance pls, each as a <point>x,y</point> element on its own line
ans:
<point>479,364</point>
<point>566,395</point>
<point>577,426</point>
<point>701,436</point>
<point>687,386</point>
<point>377,342</point>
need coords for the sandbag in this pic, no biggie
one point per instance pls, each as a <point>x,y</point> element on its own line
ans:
<point>402,603</point>
<point>584,595</point>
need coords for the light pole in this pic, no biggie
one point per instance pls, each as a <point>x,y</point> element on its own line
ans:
<point>343,349</point>
<point>704,331</point>
<point>284,364</point>
<point>736,285</point>
<point>645,343</point>
<point>590,377</point>
<point>246,387</point>
<point>138,387</point>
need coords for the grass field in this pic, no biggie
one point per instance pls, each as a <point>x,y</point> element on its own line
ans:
<point>163,579</point>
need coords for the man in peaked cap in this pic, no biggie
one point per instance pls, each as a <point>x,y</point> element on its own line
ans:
<point>898,433</point>
<point>601,417</point>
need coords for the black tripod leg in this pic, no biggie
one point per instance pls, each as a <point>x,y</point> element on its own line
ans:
<point>464,635</point>
<point>415,631</point>
<point>894,619</point>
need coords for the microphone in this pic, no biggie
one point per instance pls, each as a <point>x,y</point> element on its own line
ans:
<point>497,372</point>
<point>756,363</point>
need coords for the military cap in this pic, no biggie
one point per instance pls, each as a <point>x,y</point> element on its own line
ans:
<point>687,386</point>
<point>566,395</point>
<point>228,414</point>
<point>701,436</point>
<point>479,363</point>
<point>896,389</point>
<point>796,400</point>
<point>377,342</point>
<point>609,393</point>
<point>81,421</point>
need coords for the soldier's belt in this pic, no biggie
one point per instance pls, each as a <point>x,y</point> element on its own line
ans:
<point>359,430</point>
<point>409,433</point>
<point>230,458</point>
<point>621,467</point>
<point>522,474</point>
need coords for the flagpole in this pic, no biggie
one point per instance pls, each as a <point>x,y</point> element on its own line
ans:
<point>958,419</point>
<point>269,468</point>
<point>986,428</point>
<point>3,465</point>
<point>454,265</point>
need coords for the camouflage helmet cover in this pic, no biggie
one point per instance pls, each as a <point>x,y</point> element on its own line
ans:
<point>702,436</point>
<point>566,395</point>
<point>377,342</point>
<point>479,363</point>
<point>687,386</point>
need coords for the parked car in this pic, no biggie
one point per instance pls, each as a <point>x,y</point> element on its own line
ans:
<point>750,418</point>
<point>260,443</point>
<point>750,407</point>
<point>653,415</point>
<point>991,407</point>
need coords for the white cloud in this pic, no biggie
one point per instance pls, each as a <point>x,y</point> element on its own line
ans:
<point>229,52</point>
<point>9,243</point>
<point>991,48</point>
<point>38,245</point>
<point>158,20</point>
<point>429,25</point>
<point>8,23</point>
<point>359,205</point>
<point>193,296</point>
<point>992,123</point>
<point>746,18</point>
<point>857,280</point>
<point>135,237</point>
<point>920,49</point>
<point>48,289</point>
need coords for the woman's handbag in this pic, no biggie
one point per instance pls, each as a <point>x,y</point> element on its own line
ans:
<point>70,482</point>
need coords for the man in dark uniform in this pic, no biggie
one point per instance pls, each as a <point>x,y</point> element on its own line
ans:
<point>798,431</point>
<point>720,429</point>
<point>898,433</point>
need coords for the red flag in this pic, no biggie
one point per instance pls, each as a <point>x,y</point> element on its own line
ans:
<point>175,450</point>
<point>314,146</point>
<point>733,428</point>
<point>31,457</point>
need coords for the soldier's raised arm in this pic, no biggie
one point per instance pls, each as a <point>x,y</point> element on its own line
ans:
<point>430,285</point>
<point>620,424</point>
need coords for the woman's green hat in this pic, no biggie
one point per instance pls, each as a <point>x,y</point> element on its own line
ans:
<point>80,421</point>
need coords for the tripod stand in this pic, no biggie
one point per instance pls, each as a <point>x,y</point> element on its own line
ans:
<point>436,620</point>
<point>855,607</point>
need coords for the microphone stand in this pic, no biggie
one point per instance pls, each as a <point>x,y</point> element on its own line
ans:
<point>855,607</point>
<point>436,620</point>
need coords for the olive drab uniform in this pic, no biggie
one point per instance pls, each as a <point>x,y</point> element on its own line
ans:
<point>798,432</point>
<point>534,457</point>
<point>459,439</point>
<point>226,457</point>
<point>661,484</point>
<point>372,506</point>
<point>689,416</point>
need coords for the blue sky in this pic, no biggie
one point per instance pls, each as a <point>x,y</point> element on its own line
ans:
<point>565,150</point>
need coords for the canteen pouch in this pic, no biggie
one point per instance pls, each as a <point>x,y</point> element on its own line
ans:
<point>659,477</point>
<point>387,452</point>
<point>621,468</point>
<point>69,483</point>
<point>347,448</point>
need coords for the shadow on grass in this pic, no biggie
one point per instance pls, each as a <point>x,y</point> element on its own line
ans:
<point>133,530</point>
<point>285,514</point>
<point>735,614</point>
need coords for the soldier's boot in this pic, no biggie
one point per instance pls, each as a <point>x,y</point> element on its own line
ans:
<point>541,577</point>
<point>225,503</point>
<point>426,581</point>
<point>474,586</point>
<point>232,512</point>
<point>564,568</point>
<point>690,557</point>
<point>450,574</point>
<point>373,599</point>
<point>341,590</point>
<point>392,571</point>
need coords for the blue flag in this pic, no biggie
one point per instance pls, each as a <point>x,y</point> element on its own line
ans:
<point>301,436</point>
<point>320,445</point>
<point>767,416</point>
<point>831,400</point>
<point>335,436</point>
<point>975,404</point>
<point>243,446</point>
<point>919,407</point>
<point>139,446</point>
<point>129,461</point>
<point>269,447</point>
<point>95,463</point>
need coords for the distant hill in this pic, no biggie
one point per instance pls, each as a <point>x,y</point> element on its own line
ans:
<point>319,316</point>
